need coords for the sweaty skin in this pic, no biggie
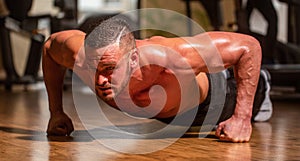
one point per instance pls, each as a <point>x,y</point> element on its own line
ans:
<point>240,51</point>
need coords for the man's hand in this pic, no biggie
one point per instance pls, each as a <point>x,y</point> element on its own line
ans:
<point>60,125</point>
<point>235,130</point>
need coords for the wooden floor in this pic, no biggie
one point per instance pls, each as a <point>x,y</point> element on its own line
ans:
<point>24,116</point>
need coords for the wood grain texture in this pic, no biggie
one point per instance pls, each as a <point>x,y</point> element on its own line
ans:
<point>24,117</point>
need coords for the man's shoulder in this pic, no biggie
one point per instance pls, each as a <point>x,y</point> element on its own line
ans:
<point>62,36</point>
<point>71,32</point>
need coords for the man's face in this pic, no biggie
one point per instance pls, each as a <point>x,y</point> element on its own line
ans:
<point>112,72</point>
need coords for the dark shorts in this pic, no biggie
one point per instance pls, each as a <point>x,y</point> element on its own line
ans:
<point>220,102</point>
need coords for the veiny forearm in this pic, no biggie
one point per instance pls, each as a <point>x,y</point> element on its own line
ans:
<point>247,71</point>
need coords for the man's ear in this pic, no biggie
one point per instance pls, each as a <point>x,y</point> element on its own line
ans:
<point>134,60</point>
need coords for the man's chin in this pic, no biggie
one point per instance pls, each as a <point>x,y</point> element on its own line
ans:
<point>107,97</point>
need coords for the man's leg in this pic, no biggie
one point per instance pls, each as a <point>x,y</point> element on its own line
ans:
<point>265,108</point>
<point>262,105</point>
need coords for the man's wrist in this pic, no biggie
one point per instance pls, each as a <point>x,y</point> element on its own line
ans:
<point>243,109</point>
<point>56,112</point>
<point>242,116</point>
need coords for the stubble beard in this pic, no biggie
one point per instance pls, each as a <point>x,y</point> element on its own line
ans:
<point>116,91</point>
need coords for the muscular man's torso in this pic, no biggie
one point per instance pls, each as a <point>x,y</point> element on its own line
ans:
<point>142,93</point>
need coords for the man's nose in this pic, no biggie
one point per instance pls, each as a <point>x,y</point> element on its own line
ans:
<point>102,80</point>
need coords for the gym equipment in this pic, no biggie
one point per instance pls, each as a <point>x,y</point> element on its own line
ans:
<point>288,72</point>
<point>67,18</point>
<point>20,22</point>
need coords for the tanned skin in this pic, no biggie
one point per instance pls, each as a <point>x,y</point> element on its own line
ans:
<point>235,50</point>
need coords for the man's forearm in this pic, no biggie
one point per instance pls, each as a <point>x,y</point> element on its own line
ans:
<point>53,74</point>
<point>247,72</point>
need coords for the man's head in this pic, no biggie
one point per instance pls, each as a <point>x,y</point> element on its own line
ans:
<point>110,31</point>
<point>111,53</point>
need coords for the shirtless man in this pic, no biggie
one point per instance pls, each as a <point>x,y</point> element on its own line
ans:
<point>112,63</point>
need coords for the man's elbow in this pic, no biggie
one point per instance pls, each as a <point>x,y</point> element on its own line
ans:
<point>252,50</point>
<point>255,47</point>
